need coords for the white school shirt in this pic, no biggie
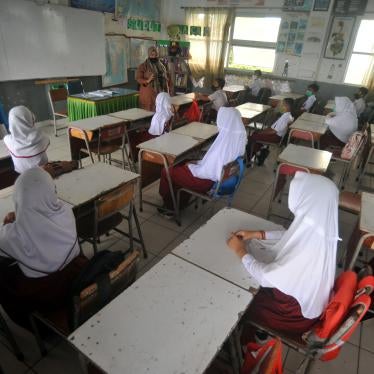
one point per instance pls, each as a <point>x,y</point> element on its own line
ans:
<point>309,103</point>
<point>255,86</point>
<point>219,99</point>
<point>281,125</point>
<point>303,260</point>
<point>360,106</point>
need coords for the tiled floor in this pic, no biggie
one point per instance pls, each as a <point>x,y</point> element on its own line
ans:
<point>161,236</point>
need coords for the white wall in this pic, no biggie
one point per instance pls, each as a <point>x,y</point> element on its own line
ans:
<point>310,66</point>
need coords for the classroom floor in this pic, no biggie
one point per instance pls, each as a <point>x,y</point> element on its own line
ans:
<point>161,236</point>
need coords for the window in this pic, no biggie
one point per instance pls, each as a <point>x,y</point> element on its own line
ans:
<point>253,42</point>
<point>360,67</point>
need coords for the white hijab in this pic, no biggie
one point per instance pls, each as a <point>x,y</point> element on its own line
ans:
<point>24,140</point>
<point>163,114</point>
<point>43,238</point>
<point>305,261</point>
<point>228,146</point>
<point>345,122</point>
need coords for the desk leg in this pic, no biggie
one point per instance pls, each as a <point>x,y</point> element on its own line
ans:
<point>351,262</point>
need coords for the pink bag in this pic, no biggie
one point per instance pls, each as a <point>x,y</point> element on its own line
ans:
<point>352,145</point>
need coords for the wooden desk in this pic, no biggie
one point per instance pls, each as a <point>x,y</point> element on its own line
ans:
<point>329,107</point>
<point>255,107</point>
<point>134,114</point>
<point>233,88</point>
<point>88,105</point>
<point>7,173</point>
<point>90,126</point>
<point>366,216</point>
<point>317,129</point>
<point>276,99</point>
<point>315,160</point>
<point>181,100</point>
<point>163,151</point>
<point>87,184</point>
<point>197,130</point>
<point>252,112</point>
<point>311,117</point>
<point>207,246</point>
<point>174,319</point>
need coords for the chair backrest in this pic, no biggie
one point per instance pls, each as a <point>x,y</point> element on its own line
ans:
<point>59,94</point>
<point>89,301</point>
<point>285,170</point>
<point>205,111</point>
<point>318,107</point>
<point>114,201</point>
<point>301,135</point>
<point>342,315</point>
<point>263,95</point>
<point>109,133</point>
<point>75,87</point>
<point>231,176</point>
<point>263,359</point>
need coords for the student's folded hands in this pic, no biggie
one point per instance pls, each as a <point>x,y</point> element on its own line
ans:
<point>237,244</point>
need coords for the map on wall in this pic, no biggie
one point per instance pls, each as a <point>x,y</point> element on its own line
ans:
<point>116,52</point>
<point>149,9</point>
<point>139,51</point>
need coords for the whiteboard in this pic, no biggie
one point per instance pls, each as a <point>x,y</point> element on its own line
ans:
<point>46,41</point>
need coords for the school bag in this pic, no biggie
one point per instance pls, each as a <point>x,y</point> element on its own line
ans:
<point>95,271</point>
<point>352,145</point>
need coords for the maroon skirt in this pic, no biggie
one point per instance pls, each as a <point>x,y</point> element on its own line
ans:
<point>277,311</point>
<point>21,295</point>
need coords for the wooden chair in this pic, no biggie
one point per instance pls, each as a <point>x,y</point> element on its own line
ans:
<point>284,171</point>
<point>205,112</point>
<point>350,202</point>
<point>10,337</point>
<point>75,87</point>
<point>112,138</point>
<point>231,176</point>
<point>56,96</point>
<point>107,215</point>
<point>301,135</point>
<point>336,325</point>
<point>83,306</point>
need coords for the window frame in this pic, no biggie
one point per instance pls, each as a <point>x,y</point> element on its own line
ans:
<point>246,43</point>
<point>368,17</point>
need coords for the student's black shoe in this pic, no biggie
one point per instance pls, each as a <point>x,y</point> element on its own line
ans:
<point>264,153</point>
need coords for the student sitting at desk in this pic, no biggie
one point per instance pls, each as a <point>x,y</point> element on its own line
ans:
<point>359,102</point>
<point>342,123</point>
<point>297,283</point>
<point>200,177</point>
<point>218,97</point>
<point>41,239</point>
<point>311,97</point>
<point>255,83</point>
<point>272,134</point>
<point>26,144</point>
<point>160,123</point>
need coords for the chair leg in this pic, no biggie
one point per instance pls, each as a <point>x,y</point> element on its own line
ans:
<point>8,333</point>
<point>305,366</point>
<point>94,245</point>
<point>145,254</point>
<point>129,221</point>
<point>39,340</point>
<point>55,124</point>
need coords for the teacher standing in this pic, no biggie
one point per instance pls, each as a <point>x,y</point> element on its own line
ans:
<point>152,77</point>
